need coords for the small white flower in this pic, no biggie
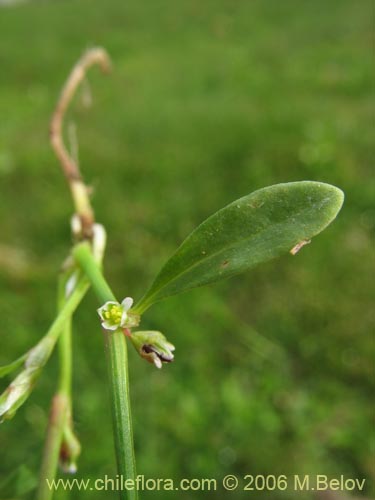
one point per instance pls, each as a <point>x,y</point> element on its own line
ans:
<point>115,315</point>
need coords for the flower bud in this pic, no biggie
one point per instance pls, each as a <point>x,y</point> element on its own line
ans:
<point>153,346</point>
<point>70,450</point>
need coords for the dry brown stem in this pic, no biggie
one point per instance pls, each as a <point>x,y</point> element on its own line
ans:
<point>79,190</point>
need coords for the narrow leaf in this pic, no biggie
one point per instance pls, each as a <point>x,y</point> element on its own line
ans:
<point>254,229</point>
<point>11,367</point>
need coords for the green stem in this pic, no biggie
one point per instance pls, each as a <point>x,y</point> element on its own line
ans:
<point>84,257</point>
<point>117,357</point>
<point>68,308</point>
<point>117,361</point>
<point>57,419</point>
<point>65,345</point>
<point>61,403</point>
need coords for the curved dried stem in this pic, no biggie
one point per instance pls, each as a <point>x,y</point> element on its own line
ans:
<point>79,190</point>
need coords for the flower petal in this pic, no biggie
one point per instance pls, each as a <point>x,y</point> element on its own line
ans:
<point>108,325</point>
<point>127,303</point>
<point>157,362</point>
<point>170,346</point>
<point>100,311</point>
<point>124,317</point>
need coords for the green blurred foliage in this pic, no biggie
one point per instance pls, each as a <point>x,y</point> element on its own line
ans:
<point>207,102</point>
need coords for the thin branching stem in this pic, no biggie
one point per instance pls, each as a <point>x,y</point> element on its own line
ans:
<point>65,344</point>
<point>61,404</point>
<point>115,343</point>
<point>79,190</point>
<point>60,409</point>
<point>57,418</point>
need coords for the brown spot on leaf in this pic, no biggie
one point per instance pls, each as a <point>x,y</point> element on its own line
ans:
<point>299,245</point>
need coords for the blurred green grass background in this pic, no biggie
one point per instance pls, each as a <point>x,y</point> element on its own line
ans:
<point>207,102</point>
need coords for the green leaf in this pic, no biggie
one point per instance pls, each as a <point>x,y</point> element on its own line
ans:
<point>5,369</point>
<point>251,230</point>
